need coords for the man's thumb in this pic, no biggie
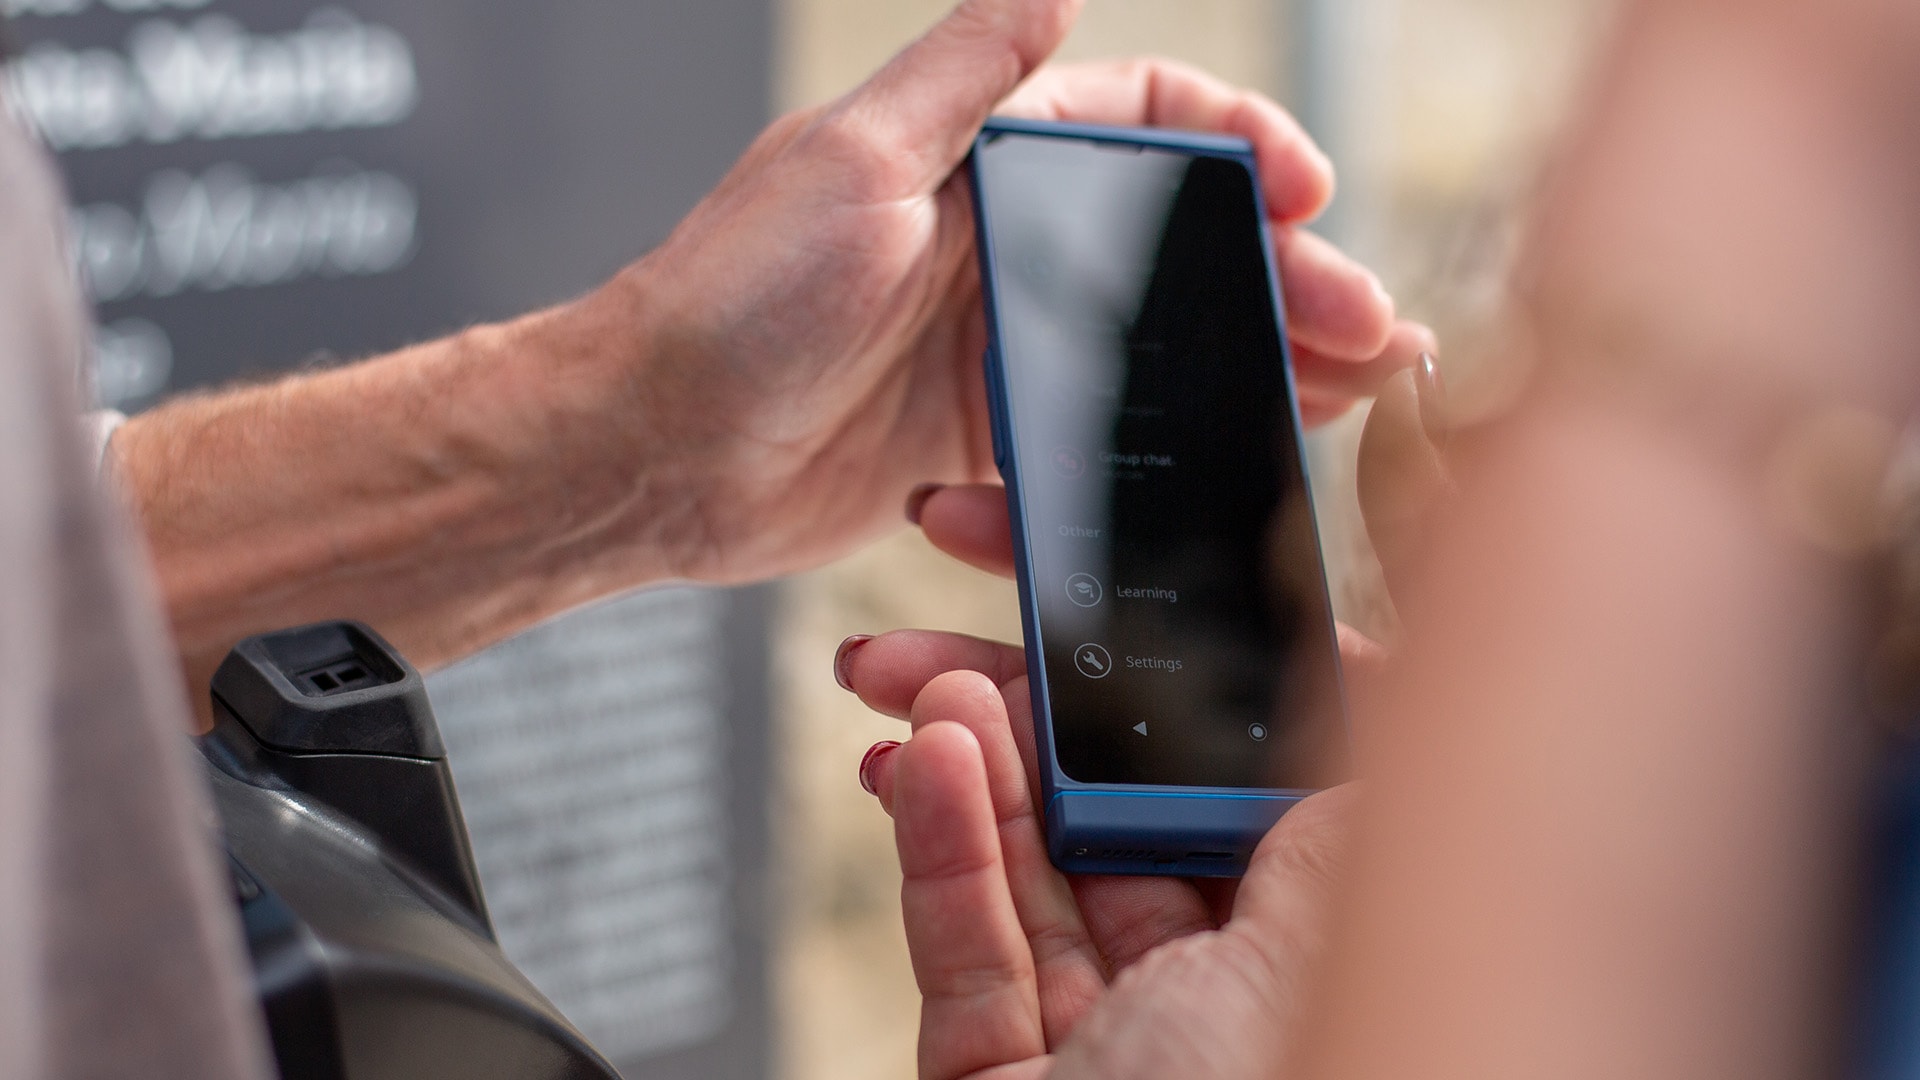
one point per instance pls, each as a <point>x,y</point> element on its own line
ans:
<point>921,110</point>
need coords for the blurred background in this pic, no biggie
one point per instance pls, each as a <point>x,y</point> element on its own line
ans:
<point>662,788</point>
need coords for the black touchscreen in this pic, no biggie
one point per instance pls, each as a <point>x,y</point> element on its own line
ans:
<point>1182,602</point>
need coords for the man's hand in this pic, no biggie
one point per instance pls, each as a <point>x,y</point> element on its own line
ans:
<point>754,397</point>
<point>1112,977</point>
<point>816,328</point>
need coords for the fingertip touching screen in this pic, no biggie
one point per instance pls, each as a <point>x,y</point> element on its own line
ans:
<point>1172,558</point>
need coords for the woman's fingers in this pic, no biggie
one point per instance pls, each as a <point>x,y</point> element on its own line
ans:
<point>1124,917</point>
<point>1227,1004</point>
<point>889,672</point>
<point>1402,476</point>
<point>1285,900</point>
<point>1128,917</point>
<point>1071,972</point>
<point>980,1001</point>
<point>969,522</point>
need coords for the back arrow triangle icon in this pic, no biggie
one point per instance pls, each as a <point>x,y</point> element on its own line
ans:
<point>1141,727</point>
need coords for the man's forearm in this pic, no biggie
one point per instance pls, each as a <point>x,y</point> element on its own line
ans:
<point>757,396</point>
<point>448,494</point>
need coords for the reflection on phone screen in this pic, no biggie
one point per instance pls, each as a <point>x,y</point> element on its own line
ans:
<point>1174,563</point>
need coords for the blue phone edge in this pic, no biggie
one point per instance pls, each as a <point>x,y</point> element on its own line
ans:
<point>1130,829</point>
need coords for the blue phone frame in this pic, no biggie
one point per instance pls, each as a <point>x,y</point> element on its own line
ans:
<point>1120,828</point>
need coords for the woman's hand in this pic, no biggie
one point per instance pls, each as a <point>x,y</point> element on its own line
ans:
<point>1027,972</point>
<point>1403,478</point>
<point>813,328</point>
<point>1018,962</point>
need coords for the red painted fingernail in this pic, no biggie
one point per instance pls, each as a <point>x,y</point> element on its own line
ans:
<point>843,657</point>
<point>917,500</point>
<point>874,754</point>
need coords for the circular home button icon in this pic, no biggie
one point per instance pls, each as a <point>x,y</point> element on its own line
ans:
<point>1084,590</point>
<point>1093,661</point>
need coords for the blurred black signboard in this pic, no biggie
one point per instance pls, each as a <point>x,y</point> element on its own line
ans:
<point>260,183</point>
